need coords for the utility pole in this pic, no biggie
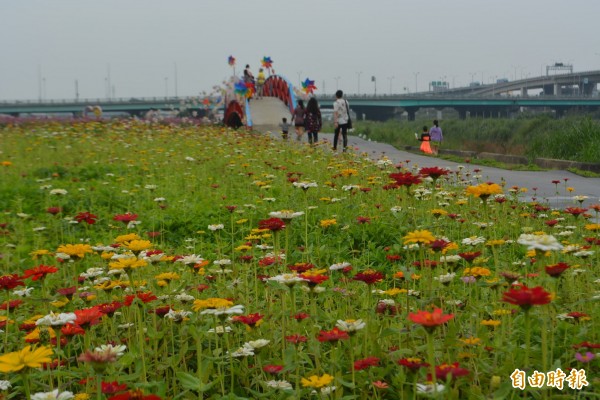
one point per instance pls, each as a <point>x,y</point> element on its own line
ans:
<point>76,90</point>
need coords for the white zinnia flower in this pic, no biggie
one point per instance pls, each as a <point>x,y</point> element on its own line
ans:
<point>338,266</point>
<point>350,326</point>
<point>58,192</point>
<point>286,279</point>
<point>216,227</point>
<point>238,309</point>
<point>53,395</point>
<point>24,292</point>
<point>279,384</point>
<point>191,259</point>
<point>110,349</point>
<point>4,385</point>
<point>257,344</point>
<point>286,214</point>
<point>56,319</point>
<point>539,242</point>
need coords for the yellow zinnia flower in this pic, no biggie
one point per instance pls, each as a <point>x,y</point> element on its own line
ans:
<point>317,381</point>
<point>17,360</point>
<point>138,245</point>
<point>75,250</point>
<point>127,238</point>
<point>213,302</point>
<point>38,253</point>
<point>328,222</point>
<point>127,263</point>
<point>593,227</point>
<point>491,323</point>
<point>417,236</point>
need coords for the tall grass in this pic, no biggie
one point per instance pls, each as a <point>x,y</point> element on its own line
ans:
<point>573,138</point>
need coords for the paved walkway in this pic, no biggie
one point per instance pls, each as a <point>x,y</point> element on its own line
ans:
<point>542,180</point>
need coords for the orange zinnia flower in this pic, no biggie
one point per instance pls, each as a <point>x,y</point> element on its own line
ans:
<point>430,320</point>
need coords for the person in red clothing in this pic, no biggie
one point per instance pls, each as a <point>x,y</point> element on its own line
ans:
<point>425,141</point>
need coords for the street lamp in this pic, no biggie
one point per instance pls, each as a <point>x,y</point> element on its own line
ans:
<point>473,76</point>
<point>374,80</point>
<point>337,81</point>
<point>358,80</point>
<point>166,87</point>
<point>390,78</point>
<point>416,74</point>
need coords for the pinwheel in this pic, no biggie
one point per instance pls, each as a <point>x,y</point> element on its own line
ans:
<point>267,63</point>
<point>308,86</point>
<point>231,61</point>
<point>244,88</point>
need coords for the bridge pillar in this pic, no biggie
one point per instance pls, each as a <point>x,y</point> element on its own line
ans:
<point>411,114</point>
<point>523,92</point>
<point>462,113</point>
<point>556,89</point>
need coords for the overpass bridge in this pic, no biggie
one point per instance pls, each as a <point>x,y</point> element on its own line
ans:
<point>490,100</point>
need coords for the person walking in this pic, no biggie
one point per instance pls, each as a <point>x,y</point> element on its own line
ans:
<point>436,137</point>
<point>425,141</point>
<point>341,117</point>
<point>298,119</point>
<point>312,120</point>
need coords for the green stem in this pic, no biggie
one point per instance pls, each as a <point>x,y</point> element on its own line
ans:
<point>431,360</point>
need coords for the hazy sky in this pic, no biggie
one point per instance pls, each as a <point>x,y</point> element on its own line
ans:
<point>148,45</point>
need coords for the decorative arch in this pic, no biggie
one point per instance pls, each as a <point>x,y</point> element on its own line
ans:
<point>279,87</point>
<point>234,115</point>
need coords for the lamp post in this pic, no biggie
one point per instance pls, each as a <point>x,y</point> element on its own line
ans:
<point>166,87</point>
<point>416,74</point>
<point>175,67</point>
<point>472,76</point>
<point>76,90</point>
<point>358,81</point>
<point>337,81</point>
<point>374,80</point>
<point>390,78</point>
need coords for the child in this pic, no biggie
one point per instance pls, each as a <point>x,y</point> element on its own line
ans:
<point>425,139</point>
<point>260,82</point>
<point>285,128</point>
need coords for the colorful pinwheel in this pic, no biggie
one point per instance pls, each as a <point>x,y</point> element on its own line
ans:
<point>231,61</point>
<point>308,86</point>
<point>267,63</point>
<point>245,89</point>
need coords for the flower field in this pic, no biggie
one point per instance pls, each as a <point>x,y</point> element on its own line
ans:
<point>174,261</point>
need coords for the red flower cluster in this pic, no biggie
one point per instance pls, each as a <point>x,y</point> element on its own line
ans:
<point>301,267</point>
<point>125,218</point>
<point>430,320</point>
<point>555,270</point>
<point>525,297</point>
<point>145,297</point>
<point>369,277</point>
<point>575,211</point>
<point>314,280</point>
<point>296,339</point>
<point>454,370</point>
<point>88,317</point>
<point>413,364</point>
<point>332,335</point>
<point>366,363</point>
<point>87,217</point>
<point>272,224</point>
<point>469,256</point>
<point>433,172</point>
<point>251,319</point>
<point>39,272</point>
<point>9,282</point>
<point>134,395</point>
<point>405,179</point>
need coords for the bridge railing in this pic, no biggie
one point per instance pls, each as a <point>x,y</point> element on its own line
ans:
<point>120,100</point>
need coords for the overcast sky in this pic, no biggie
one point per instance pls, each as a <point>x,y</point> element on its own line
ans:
<point>156,47</point>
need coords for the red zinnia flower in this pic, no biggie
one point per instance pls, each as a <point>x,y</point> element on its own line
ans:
<point>125,218</point>
<point>296,339</point>
<point>405,179</point>
<point>11,305</point>
<point>134,395</point>
<point>369,277</point>
<point>300,267</point>
<point>454,370</point>
<point>272,224</point>
<point>67,292</point>
<point>587,345</point>
<point>86,216</point>
<point>555,270</point>
<point>469,256</point>
<point>363,220</point>
<point>575,211</point>
<point>301,316</point>
<point>438,244</point>
<point>110,308</point>
<point>9,282</point>
<point>88,317</point>
<point>413,364</point>
<point>366,363</point>
<point>39,272</point>
<point>273,369</point>
<point>433,172</point>
<point>393,257</point>
<point>525,297</point>
<point>314,280</point>
<point>385,308</point>
<point>332,335</point>
<point>113,387</point>
<point>53,210</point>
<point>430,320</point>
<point>251,319</point>
<point>71,330</point>
<point>145,297</point>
